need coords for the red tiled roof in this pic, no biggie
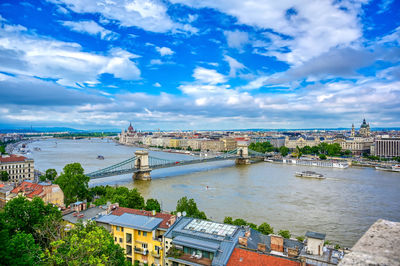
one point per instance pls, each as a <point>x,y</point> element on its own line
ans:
<point>1,185</point>
<point>29,189</point>
<point>165,216</point>
<point>242,257</point>
<point>12,158</point>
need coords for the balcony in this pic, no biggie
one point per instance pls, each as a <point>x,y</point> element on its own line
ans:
<point>155,254</point>
<point>179,254</point>
<point>141,251</point>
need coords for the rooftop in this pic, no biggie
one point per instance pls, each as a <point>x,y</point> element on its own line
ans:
<point>315,235</point>
<point>242,257</point>
<point>184,232</point>
<point>378,246</point>
<point>12,158</point>
<point>167,219</point>
<point>88,214</point>
<point>29,189</point>
<point>140,222</point>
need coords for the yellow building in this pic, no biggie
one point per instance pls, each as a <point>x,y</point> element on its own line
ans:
<point>140,234</point>
<point>174,143</point>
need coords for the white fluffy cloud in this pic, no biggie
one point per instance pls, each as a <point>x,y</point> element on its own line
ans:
<point>236,39</point>
<point>90,27</point>
<point>164,51</point>
<point>312,27</point>
<point>63,61</point>
<point>150,15</point>
<point>234,65</point>
<point>209,76</point>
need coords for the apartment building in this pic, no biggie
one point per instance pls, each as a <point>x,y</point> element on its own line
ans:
<point>139,232</point>
<point>19,168</point>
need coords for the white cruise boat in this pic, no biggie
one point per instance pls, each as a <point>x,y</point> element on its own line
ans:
<point>310,174</point>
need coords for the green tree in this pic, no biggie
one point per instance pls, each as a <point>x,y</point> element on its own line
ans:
<point>284,233</point>
<point>228,220</point>
<point>252,226</point>
<point>51,174</point>
<point>322,156</point>
<point>25,216</point>
<point>239,222</point>
<point>4,176</point>
<point>190,207</point>
<point>2,149</point>
<point>284,151</point>
<point>300,238</point>
<point>21,250</point>
<point>347,152</point>
<point>265,228</point>
<point>73,182</point>
<point>337,246</point>
<point>152,204</point>
<point>86,245</point>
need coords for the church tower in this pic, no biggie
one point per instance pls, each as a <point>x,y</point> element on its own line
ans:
<point>353,131</point>
<point>365,130</point>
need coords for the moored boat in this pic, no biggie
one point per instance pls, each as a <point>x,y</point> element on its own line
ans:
<point>393,168</point>
<point>310,174</point>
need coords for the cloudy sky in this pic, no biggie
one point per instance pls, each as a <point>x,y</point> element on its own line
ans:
<point>189,64</point>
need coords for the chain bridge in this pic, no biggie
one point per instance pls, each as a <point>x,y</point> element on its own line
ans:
<point>142,164</point>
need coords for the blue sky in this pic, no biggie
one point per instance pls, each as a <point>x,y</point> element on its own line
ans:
<point>187,64</point>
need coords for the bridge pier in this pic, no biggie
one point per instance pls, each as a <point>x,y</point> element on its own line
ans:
<point>243,153</point>
<point>142,166</point>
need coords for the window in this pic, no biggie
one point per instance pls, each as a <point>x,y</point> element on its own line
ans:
<point>120,240</point>
<point>117,228</point>
<point>115,239</point>
<point>144,233</point>
<point>129,250</point>
<point>128,238</point>
<point>122,229</point>
<point>144,245</point>
<point>138,232</point>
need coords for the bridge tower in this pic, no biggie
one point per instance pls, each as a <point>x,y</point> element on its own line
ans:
<point>243,153</point>
<point>142,165</point>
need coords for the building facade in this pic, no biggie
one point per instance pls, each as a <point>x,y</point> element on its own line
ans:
<point>48,192</point>
<point>19,168</point>
<point>139,233</point>
<point>387,147</point>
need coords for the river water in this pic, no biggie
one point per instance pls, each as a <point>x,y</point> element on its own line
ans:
<point>343,205</point>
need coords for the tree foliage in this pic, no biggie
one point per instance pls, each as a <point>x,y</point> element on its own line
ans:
<point>4,176</point>
<point>190,207</point>
<point>228,220</point>
<point>51,174</point>
<point>21,250</point>
<point>284,233</point>
<point>262,147</point>
<point>2,149</point>
<point>124,196</point>
<point>265,228</point>
<point>86,245</point>
<point>152,204</point>
<point>284,151</point>
<point>73,182</point>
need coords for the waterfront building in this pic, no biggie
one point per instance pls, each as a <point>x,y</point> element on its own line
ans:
<point>139,233</point>
<point>301,141</point>
<point>19,168</point>
<point>199,242</point>
<point>387,147</point>
<point>129,136</point>
<point>48,192</point>
<point>174,143</point>
<point>229,144</point>
<point>357,145</point>
<point>195,144</point>
<point>212,145</point>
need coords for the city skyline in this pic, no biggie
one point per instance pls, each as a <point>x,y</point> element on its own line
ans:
<point>199,65</point>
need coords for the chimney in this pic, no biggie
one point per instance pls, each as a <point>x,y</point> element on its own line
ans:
<point>261,247</point>
<point>276,243</point>
<point>243,241</point>
<point>154,212</point>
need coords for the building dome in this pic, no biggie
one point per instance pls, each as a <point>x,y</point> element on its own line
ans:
<point>130,128</point>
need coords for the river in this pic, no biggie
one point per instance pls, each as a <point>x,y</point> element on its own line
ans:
<point>343,205</point>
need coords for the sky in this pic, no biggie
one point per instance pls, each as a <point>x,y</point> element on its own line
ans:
<point>210,64</point>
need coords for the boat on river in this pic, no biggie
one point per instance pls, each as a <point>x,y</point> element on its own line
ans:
<point>393,168</point>
<point>100,157</point>
<point>310,174</point>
